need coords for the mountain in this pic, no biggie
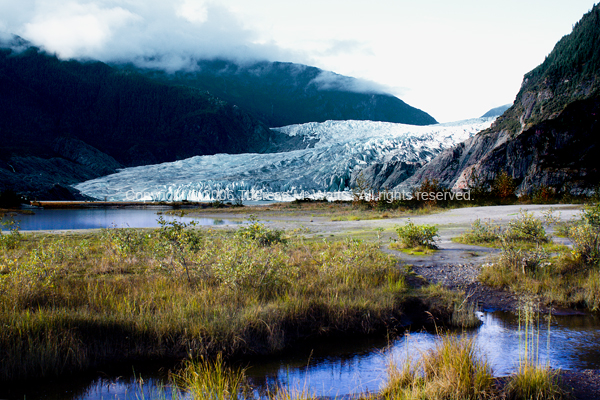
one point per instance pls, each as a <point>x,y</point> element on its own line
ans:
<point>63,122</point>
<point>281,94</point>
<point>334,155</point>
<point>497,111</point>
<point>550,136</point>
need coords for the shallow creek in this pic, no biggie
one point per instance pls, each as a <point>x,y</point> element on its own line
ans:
<point>339,368</point>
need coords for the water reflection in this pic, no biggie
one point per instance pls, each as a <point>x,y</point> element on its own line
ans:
<point>342,367</point>
<point>95,218</point>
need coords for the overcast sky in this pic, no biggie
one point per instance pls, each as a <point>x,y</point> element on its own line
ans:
<point>452,59</point>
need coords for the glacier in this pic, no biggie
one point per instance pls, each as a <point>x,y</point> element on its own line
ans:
<point>334,150</point>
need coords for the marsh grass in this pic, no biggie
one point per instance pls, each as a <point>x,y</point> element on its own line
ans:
<point>204,379</point>
<point>532,379</point>
<point>558,275</point>
<point>451,370</point>
<point>213,380</point>
<point>69,302</point>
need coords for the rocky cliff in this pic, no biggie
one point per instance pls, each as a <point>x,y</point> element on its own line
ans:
<point>549,136</point>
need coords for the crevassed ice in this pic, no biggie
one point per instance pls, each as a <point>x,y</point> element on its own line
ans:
<point>342,147</point>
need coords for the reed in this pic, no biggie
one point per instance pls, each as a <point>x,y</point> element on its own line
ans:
<point>451,370</point>
<point>532,379</point>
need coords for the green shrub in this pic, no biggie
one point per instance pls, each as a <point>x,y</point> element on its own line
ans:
<point>258,232</point>
<point>526,228</point>
<point>176,240</point>
<point>124,241</point>
<point>13,238</point>
<point>586,243</point>
<point>482,232</point>
<point>516,258</point>
<point>591,216</point>
<point>249,265</point>
<point>412,235</point>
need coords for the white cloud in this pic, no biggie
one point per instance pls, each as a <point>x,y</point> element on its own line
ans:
<point>152,33</point>
<point>75,29</point>
<point>193,11</point>
<point>327,80</point>
<point>454,59</point>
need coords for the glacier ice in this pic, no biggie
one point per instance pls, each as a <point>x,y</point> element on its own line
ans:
<point>340,148</point>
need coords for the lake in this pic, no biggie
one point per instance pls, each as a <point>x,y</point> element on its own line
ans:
<point>96,218</point>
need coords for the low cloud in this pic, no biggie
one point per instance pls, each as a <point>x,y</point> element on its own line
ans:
<point>151,33</point>
<point>338,47</point>
<point>327,80</point>
<point>158,34</point>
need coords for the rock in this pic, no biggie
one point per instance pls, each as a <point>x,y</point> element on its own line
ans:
<point>82,153</point>
<point>549,136</point>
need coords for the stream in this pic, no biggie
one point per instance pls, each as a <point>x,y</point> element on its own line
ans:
<point>342,367</point>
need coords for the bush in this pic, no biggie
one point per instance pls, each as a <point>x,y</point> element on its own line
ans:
<point>482,232</point>
<point>516,258</point>
<point>12,239</point>
<point>504,186</point>
<point>411,235</point>
<point>586,243</point>
<point>258,232</point>
<point>526,228</point>
<point>176,239</point>
<point>431,188</point>
<point>591,216</point>
<point>543,195</point>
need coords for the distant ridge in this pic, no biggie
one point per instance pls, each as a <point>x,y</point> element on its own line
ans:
<point>494,112</point>
<point>281,94</point>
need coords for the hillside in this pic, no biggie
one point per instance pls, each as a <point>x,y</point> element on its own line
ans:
<point>550,135</point>
<point>281,94</point>
<point>63,122</point>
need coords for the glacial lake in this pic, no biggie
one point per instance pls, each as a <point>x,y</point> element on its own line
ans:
<point>96,218</point>
<point>341,367</point>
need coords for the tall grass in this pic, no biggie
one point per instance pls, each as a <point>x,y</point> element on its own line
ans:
<point>68,303</point>
<point>569,278</point>
<point>451,370</point>
<point>532,379</point>
<point>213,380</point>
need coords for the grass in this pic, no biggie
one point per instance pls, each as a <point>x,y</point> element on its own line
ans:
<point>413,251</point>
<point>533,380</point>
<point>70,302</point>
<point>212,379</point>
<point>569,278</point>
<point>451,370</point>
<point>333,211</point>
